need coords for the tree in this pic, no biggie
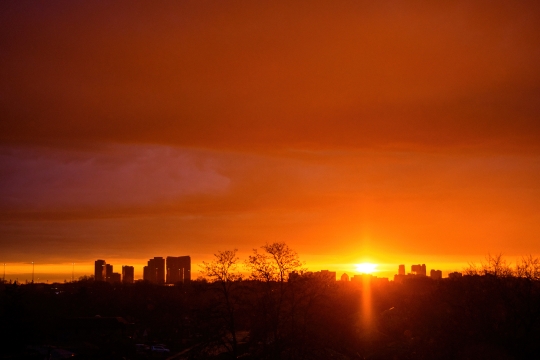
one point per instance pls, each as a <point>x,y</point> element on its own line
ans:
<point>223,271</point>
<point>272,268</point>
<point>275,264</point>
<point>528,268</point>
<point>495,266</point>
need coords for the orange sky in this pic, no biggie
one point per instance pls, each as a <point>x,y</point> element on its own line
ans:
<point>390,132</point>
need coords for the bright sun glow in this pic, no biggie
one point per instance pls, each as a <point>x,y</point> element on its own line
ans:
<point>366,268</point>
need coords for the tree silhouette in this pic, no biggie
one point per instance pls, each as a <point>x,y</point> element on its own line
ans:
<point>528,268</point>
<point>223,272</point>
<point>271,269</point>
<point>495,266</point>
<point>276,263</point>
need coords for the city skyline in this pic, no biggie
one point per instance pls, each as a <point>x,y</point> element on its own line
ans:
<point>171,270</point>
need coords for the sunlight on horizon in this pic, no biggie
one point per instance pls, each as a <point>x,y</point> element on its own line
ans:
<point>366,268</point>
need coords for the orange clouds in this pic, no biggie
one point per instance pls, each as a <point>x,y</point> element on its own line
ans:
<point>341,204</point>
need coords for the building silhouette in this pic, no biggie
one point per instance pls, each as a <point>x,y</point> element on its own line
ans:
<point>344,277</point>
<point>294,275</point>
<point>108,272</point>
<point>436,274</point>
<point>326,274</point>
<point>99,270</point>
<point>178,269</point>
<point>418,269</point>
<point>368,279</point>
<point>115,278</point>
<point>146,275</point>
<point>128,274</point>
<point>155,271</point>
<point>455,275</point>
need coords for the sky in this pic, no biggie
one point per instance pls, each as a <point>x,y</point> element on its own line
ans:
<point>390,132</point>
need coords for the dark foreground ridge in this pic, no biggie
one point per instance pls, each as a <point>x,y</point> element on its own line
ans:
<point>473,317</point>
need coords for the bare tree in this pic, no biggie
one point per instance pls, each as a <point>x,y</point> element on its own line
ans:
<point>494,265</point>
<point>528,268</point>
<point>276,263</point>
<point>272,268</point>
<point>497,266</point>
<point>223,270</point>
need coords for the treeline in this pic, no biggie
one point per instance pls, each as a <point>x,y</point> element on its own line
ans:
<point>527,267</point>
<point>490,314</point>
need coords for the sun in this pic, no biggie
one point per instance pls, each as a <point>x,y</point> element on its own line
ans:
<point>366,268</point>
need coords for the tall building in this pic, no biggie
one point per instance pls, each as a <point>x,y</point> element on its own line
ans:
<point>345,277</point>
<point>419,269</point>
<point>99,270</point>
<point>146,273</point>
<point>401,270</point>
<point>108,272</point>
<point>435,274</point>
<point>128,274</point>
<point>178,269</point>
<point>155,271</point>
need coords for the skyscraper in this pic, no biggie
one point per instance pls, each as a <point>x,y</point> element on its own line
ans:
<point>146,273</point>
<point>155,271</point>
<point>99,270</point>
<point>128,274</point>
<point>108,272</point>
<point>419,269</point>
<point>401,270</point>
<point>178,269</point>
<point>436,274</point>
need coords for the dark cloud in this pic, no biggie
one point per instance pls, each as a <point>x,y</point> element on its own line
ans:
<point>273,75</point>
<point>118,176</point>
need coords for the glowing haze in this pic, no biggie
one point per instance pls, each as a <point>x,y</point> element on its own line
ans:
<point>357,132</point>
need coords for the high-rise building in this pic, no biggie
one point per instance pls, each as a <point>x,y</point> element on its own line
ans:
<point>436,274</point>
<point>108,272</point>
<point>128,274</point>
<point>345,277</point>
<point>155,271</point>
<point>146,273</point>
<point>419,269</point>
<point>401,270</point>
<point>115,278</point>
<point>99,270</point>
<point>178,269</point>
